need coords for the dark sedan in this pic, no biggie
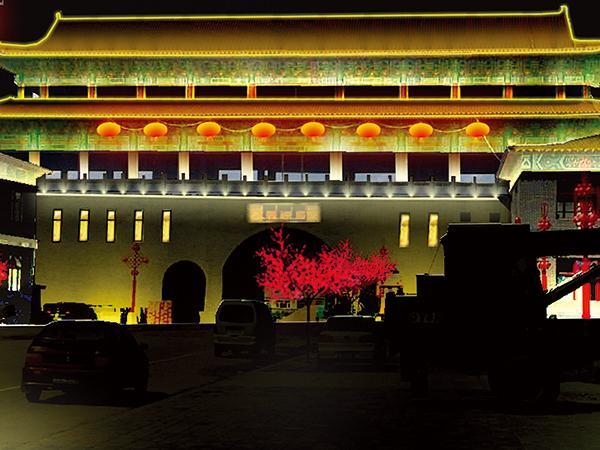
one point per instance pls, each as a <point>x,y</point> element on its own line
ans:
<point>84,355</point>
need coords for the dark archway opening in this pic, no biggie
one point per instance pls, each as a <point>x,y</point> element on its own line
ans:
<point>242,266</point>
<point>184,283</point>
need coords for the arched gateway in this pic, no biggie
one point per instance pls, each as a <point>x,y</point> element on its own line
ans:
<point>184,283</point>
<point>241,267</point>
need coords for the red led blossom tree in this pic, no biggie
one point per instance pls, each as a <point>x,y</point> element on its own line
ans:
<point>289,273</point>
<point>3,272</point>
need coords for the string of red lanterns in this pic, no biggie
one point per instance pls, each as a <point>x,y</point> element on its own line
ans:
<point>265,130</point>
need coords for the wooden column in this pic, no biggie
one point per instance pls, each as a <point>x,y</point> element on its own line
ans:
<point>586,91</point>
<point>21,91</point>
<point>84,165</point>
<point>340,93</point>
<point>403,91</point>
<point>140,92</point>
<point>183,165</point>
<point>247,165</point>
<point>401,163</point>
<point>133,165</point>
<point>251,91</point>
<point>336,166</point>
<point>507,92</point>
<point>190,91</point>
<point>455,91</point>
<point>91,91</point>
<point>454,166</point>
<point>44,91</point>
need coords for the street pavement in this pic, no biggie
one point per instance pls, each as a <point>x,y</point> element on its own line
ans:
<point>180,360</point>
<point>293,405</point>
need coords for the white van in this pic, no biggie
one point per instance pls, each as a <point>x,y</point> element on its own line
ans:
<point>244,325</point>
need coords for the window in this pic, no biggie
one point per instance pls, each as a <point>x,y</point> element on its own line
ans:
<point>429,91</point>
<point>165,91</point>
<point>427,166</point>
<point>564,210</point>
<point>116,91</point>
<point>404,238</point>
<point>16,207</point>
<point>153,165</point>
<point>110,165</point>
<point>378,166</point>
<point>14,277</point>
<point>297,166</point>
<point>220,91</point>
<point>481,91</point>
<point>61,164</point>
<point>465,217</point>
<point>494,217</point>
<point>67,91</point>
<point>213,165</point>
<point>111,218</point>
<point>138,225</point>
<point>372,92</point>
<point>56,225</point>
<point>166,227</point>
<point>84,225</point>
<point>432,235</point>
<point>525,91</point>
<point>574,91</point>
<point>481,167</point>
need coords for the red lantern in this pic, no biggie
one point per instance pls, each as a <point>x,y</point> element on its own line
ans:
<point>108,129</point>
<point>477,129</point>
<point>368,130</point>
<point>155,129</point>
<point>312,129</point>
<point>208,129</point>
<point>263,130</point>
<point>420,130</point>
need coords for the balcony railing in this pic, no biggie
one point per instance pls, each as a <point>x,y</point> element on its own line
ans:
<point>276,189</point>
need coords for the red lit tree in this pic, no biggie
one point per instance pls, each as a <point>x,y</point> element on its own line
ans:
<point>3,272</point>
<point>289,273</point>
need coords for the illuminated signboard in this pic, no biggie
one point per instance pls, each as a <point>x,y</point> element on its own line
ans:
<point>284,213</point>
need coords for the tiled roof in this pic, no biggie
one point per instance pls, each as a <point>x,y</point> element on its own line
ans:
<point>588,143</point>
<point>309,35</point>
<point>294,108</point>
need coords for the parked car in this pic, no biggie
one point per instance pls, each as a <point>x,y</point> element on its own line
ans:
<point>69,310</point>
<point>83,355</point>
<point>244,325</point>
<point>351,339</point>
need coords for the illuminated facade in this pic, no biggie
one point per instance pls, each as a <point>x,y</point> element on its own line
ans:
<point>208,144</point>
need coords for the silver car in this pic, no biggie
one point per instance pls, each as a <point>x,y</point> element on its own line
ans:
<point>350,339</point>
<point>244,326</point>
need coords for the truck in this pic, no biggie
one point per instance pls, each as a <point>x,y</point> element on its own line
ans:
<point>487,313</point>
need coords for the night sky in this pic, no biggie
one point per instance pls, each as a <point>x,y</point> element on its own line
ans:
<point>28,20</point>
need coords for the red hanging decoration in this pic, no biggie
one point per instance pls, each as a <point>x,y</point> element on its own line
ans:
<point>420,130</point>
<point>208,129</point>
<point>155,129</point>
<point>109,129</point>
<point>368,130</point>
<point>313,129</point>
<point>543,263</point>
<point>263,130</point>
<point>585,217</point>
<point>477,129</point>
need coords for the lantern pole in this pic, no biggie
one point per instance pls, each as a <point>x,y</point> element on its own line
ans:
<point>543,263</point>
<point>134,261</point>
<point>584,217</point>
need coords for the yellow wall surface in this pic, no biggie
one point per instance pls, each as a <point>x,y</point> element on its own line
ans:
<point>207,230</point>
